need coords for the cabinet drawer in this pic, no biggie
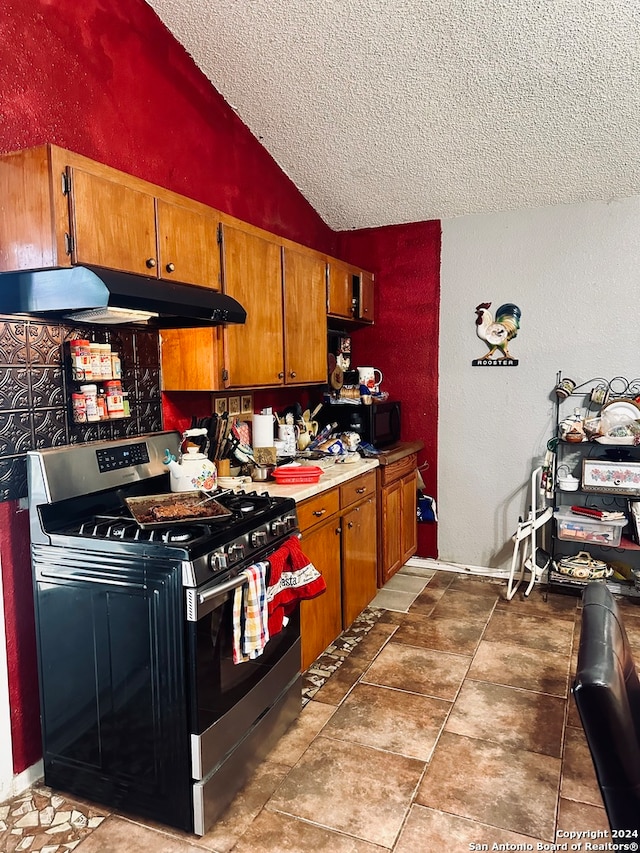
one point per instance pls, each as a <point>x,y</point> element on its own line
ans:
<point>317,509</point>
<point>357,489</point>
<point>389,473</point>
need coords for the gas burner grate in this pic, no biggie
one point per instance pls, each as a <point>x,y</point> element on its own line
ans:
<point>247,503</point>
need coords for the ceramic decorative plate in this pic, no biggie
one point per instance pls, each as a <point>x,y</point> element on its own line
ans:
<point>619,411</point>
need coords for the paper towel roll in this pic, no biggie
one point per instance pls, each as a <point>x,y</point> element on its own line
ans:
<point>262,431</point>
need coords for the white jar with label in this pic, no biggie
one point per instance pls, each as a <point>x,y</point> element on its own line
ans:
<point>91,401</point>
<point>105,361</point>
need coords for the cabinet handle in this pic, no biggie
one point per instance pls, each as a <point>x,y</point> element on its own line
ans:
<point>151,262</point>
<point>170,267</point>
<point>350,524</point>
<point>281,375</point>
<point>293,374</point>
<point>318,512</point>
<point>361,490</point>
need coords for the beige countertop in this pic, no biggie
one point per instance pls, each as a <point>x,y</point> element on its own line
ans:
<point>332,475</point>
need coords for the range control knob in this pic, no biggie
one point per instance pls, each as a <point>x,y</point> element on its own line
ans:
<point>235,553</point>
<point>279,527</point>
<point>217,561</point>
<point>291,521</point>
<point>258,538</point>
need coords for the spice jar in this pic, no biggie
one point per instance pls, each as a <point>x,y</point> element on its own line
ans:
<point>116,366</point>
<point>105,361</point>
<point>115,405</point>
<point>80,360</point>
<point>96,364</point>
<point>102,405</point>
<point>79,408</point>
<point>91,401</point>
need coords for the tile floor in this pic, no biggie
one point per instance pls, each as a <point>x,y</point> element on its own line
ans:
<point>441,720</point>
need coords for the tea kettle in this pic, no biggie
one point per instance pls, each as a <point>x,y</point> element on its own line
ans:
<point>194,470</point>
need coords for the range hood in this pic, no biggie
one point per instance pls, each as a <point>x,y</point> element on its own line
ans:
<point>92,295</point>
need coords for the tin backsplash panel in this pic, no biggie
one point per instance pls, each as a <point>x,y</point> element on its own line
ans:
<point>36,388</point>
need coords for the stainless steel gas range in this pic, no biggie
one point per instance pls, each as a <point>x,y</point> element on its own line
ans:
<point>142,707</point>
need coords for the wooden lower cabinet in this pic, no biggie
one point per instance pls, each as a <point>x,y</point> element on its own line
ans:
<point>339,537</point>
<point>321,617</point>
<point>390,524</point>
<point>359,559</point>
<point>397,522</point>
<point>409,516</point>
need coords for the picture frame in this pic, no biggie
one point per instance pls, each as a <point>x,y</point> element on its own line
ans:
<point>246,404</point>
<point>607,477</point>
<point>220,406</point>
<point>233,404</point>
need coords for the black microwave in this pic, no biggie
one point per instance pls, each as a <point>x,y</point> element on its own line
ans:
<point>377,424</point>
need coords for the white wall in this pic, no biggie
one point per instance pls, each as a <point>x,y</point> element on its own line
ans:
<point>574,271</point>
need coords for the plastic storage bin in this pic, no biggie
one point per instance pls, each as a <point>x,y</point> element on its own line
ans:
<point>580,528</point>
<point>294,475</point>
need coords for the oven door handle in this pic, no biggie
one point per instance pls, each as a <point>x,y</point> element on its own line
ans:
<point>223,588</point>
<point>199,604</point>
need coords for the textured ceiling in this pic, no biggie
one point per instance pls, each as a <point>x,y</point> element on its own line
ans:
<point>390,111</point>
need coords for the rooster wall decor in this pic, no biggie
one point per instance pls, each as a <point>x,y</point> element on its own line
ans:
<point>497,334</point>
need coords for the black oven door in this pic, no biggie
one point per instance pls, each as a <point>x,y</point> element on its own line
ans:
<point>226,699</point>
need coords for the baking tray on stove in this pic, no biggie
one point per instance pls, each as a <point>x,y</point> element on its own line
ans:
<point>153,511</point>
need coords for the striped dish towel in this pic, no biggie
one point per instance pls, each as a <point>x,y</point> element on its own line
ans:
<point>250,630</point>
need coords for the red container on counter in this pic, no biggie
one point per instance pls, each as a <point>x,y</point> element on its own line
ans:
<point>293,475</point>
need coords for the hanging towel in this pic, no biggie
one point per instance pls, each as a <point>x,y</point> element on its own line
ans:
<point>250,616</point>
<point>292,578</point>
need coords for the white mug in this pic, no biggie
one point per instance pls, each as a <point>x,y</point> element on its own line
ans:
<point>367,376</point>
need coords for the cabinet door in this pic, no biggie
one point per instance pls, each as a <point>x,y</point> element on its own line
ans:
<point>365,301</point>
<point>359,559</point>
<point>305,316</point>
<point>191,359</point>
<point>112,224</point>
<point>340,289</point>
<point>409,518</point>
<point>321,617</point>
<point>188,245</point>
<point>390,558</point>
<point>252,274</point>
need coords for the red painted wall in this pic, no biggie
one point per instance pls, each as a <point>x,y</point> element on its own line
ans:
<point>106,79</point>
<point>406,260</point>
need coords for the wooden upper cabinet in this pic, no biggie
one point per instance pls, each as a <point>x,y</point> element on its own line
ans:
<point>112,225</point>
<point>191,359</point>
<point>252,274</point>
<point>188,248</point>
<point>349,292</point>
<point>305,318</point>
<point>364,305</point>
<point>339,289</point>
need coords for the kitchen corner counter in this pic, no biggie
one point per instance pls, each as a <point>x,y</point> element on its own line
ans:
<point>398,451</point>
<point>333,475</point>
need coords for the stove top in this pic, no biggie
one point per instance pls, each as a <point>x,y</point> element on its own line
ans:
<point>77,499</point>
<point>249,510</point>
